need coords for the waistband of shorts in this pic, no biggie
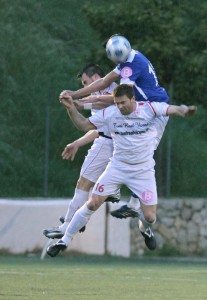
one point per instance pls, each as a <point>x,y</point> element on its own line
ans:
<point>103,135</point>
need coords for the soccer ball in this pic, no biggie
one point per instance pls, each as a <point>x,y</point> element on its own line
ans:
<point>118,48</point>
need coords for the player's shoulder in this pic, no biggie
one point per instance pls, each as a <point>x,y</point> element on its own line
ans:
<point>109,111</point>
<point>145,105</point>
<point>135,59</point>
<point>109,89</point>
<point>158,107</point>
<point>140,57</point>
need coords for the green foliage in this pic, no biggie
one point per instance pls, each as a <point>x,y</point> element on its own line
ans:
<point>187,154</point>
<point>189,163</point>
<point>172,34</point>
<point>43,46</point>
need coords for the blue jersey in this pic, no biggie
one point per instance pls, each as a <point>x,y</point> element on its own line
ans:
<point>139,72</point>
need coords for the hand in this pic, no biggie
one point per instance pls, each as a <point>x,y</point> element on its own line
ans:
<point>66,93</point>
<point>70,151</point>
<point>189,110</point>
<point>67,101</point>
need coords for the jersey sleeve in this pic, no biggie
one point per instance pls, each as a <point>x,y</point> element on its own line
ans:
<point>126,81</point>
<point>98,119</point>
<point>158,108</point>
<point>110,89</point>
<point>117,70</point>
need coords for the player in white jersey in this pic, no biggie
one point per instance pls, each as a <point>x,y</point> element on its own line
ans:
<point>98,156</point>
<point>133,130</point>
<point>138,71</point>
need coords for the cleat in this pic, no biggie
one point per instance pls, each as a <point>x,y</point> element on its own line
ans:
<point>54,249</point>
<point>82,229</point>
<point>124,212</point>
<point>149,239</point>
<point>62,219</point>
<point>113,198</point>
<point>54,233</point>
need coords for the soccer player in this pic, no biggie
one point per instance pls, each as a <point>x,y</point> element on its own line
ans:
<point>133,130</point>
<point>99,154</point>
<point>137,71</point>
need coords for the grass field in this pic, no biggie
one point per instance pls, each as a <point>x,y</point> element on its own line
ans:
<point>101,278</point>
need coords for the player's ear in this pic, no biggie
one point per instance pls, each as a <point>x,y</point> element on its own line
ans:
<point>95,76</point>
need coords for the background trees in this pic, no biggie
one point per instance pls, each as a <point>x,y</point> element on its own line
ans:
<point>43,46</point>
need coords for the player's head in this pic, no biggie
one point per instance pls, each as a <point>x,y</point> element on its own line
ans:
<point>90,73</point>
<point>118,48</point>
<point>124,98</point>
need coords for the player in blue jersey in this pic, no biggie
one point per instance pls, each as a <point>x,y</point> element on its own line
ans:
<point>138,71</point>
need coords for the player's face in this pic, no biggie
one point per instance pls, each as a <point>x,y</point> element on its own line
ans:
<point>125,105</point>
<point>86,80</point>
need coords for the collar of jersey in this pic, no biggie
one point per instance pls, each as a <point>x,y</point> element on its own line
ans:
<point>131,56</point>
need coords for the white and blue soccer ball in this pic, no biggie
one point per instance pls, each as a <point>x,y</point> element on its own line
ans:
<point>118,48</point>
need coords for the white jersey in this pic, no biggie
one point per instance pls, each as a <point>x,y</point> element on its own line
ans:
<point>102,149</point>
<point>106,91</point>
<point>134,135</point>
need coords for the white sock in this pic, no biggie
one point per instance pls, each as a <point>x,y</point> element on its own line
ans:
<point>134,202</point>
<point>63,227</point>
<point>142,223</point>
<point>80,197</point>
<point>80,219</point>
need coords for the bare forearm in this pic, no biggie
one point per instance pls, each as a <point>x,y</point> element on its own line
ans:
<point>89,137</point>
<point>79,120</point>
<point>181,110</point>
<point>94,102</point>
<point>100,105</point>
<point>97,85</point>
<point>107,98</point>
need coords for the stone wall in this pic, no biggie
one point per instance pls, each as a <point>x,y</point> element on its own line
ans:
<point>181,228</point>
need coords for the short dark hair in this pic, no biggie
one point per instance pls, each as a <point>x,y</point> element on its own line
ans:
<point>90,70</point>
<point>124,90</point>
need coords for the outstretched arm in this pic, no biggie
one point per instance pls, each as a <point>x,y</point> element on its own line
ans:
<point>95,86</point>
<point>71,149</point>
<point>181,110</point>
<point>106,98</point>
<point>80,105</point>
<point>79,120</point>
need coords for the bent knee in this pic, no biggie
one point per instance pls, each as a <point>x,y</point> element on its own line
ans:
<point>84,184</point>
<point>95,202</point>
<point>150,217</point>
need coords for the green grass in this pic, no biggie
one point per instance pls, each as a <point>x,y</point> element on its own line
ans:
<point>102,278</point>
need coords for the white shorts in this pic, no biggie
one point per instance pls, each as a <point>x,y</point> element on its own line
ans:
<point>97,159</point>
<point>160,124</point>
<point>141,181</point>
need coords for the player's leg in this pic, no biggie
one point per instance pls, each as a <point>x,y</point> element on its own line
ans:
<point>93,166</point>
<point>143,184</point>
<point>80,197</point>
<point>106,185</point>
<point>79,220</point>
<point>98,158</point>
<point>147,217</point>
